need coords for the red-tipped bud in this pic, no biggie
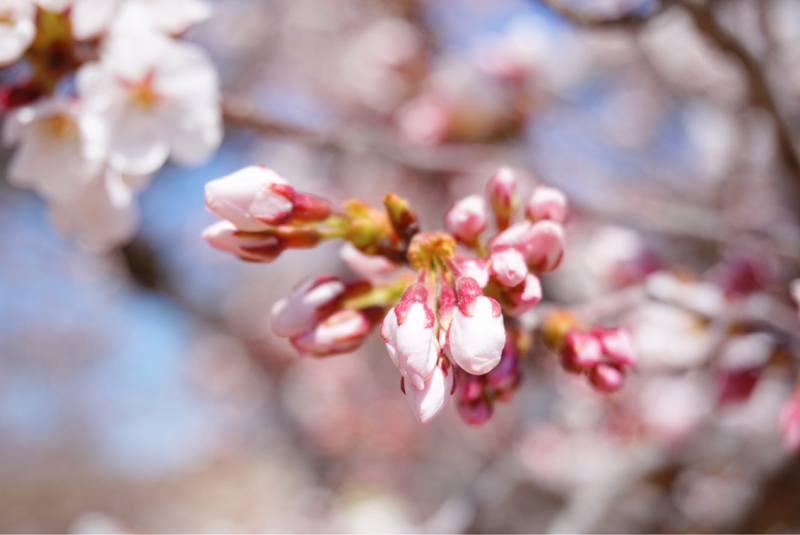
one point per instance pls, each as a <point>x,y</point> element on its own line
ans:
<point>618,345</point>
<point>505,378</point>
<point>541,243</point>
<point>475,412</point>
<point>312,299</point>
<point>546,203</point>
<point>502,193</point>
<point>477,334</point>
<point>466,219</point>
<point>342,332</point>
<point>253,198</point>
<point>476,268</point>
<point>225,236</point>
<point>508,267</point>
<point>607,378</point>
<point>469,388</point>
<point>523,297</point>
<point>580,351</point>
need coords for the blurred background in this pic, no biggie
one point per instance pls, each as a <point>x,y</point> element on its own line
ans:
<point>143,391</point>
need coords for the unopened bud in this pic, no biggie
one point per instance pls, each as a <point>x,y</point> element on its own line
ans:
<point>580,351</point>
<point>618,344</point>
<point>502,193</point>
<point>607,378</point>
<point>312,299</point>
<point>508,267</point>
<point>466,219</point>
<point>342,332</point>
<point>523,297</point>
<point>250,247</point>
<point>403,218</point>
<point>253,198</point>
<point>546,203</point>
<point>475,412</point>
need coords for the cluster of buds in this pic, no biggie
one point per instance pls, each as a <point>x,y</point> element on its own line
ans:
<point>477,394</point>
<point>600,353</point>
<point>445,326</point>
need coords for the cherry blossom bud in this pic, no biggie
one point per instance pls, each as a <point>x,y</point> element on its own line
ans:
<point>250,199</point>
<point>789,423</point>
<point>447,306</point>
<point>427,402</point>
<point>341,332</point>
<point>476,268</point>
<point>617,344</point>
<point>469,388</point>
<point>466,219</point>
<point>312,299</point>
<point>475,412</point>
<point>607,377</point>
<point>546,246</point>
<point>505,378</point>
<point>508,267</point>
<point>21,94</point>
<point>547,203</point>
<point>408,332</point>
<point>581,350</point>
<point>18,29</point>
<point>502,193</point>
<point>225,236</point>
<point>368,266</point>
<point>523,297</point>
<point>477,335</point>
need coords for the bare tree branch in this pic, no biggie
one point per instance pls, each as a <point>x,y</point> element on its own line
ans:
<point>627,20</point>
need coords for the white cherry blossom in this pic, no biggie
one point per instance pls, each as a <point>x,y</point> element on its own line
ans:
<point>17,29</point>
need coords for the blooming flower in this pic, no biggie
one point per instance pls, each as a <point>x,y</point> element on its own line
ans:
<point>17,29</point>
<point>160,98</point>
<point>60,148</point>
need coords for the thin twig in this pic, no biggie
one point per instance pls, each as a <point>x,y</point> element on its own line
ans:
<point>627,20</point>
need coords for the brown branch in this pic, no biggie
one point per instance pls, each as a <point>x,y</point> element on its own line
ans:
<point>760,93</point>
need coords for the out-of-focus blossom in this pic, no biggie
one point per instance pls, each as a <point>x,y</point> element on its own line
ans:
<point>547,203</point>
<point>60,149</point>
<point>607,377</point>
<point>518,300</point>
<point>224,236</point>
<point>789,423</point>
<point>160,98</point>
<point>17,29</point>
<point>466,219</point>
<point>425,120</point>
<point>370,267</point>
<point>541,243</point>
<point>619,256</point>
<point>169,17</point>
<point>476,334</point>
<point>701,297</point>
<point>341,332</point>
<point>795,291</point>
<point>617,344</point>
<point>582,350</point>
<point>476,268</point>
<point>507,266</point>
<point>310,301</point>
<point>101,216</point>
<point>502,193</point>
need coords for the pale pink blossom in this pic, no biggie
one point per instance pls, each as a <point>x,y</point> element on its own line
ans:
<point>60,148</point>
<point>547,203</point>
<point>160,98</point>
<point>502,193</point>
<point>252,198</point>
<point>101,216</point>
<point>607,377</point>
<point>341,332</point>
<point>427,402</point>
<point>368,266</point>
<point>523,297</point>
<point>618,345</point>
<point>425,120</point>
<point>795,291</point>
<point>541,243</point>
<point>311,300</point>
<point>581,350</point>
<point>224,236</point>
<point>466,219</point>
<point>170,17</point>
<point>507,266</point>
<point>789,423</point>
<point>476,268</point>
<point>477,335</point>
<point>17,29</point>
<point>91,18</point>
<point>408,330</point>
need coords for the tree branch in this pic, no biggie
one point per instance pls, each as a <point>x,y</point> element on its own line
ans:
<point>628,20</point>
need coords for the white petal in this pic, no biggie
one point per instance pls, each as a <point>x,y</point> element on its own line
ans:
<point>429,401</point>
<point>476,342</point>
<point>413,346</point>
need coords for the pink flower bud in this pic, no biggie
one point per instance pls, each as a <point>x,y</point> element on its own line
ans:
<point>607,377</point>
<point>468,387</point>
<point>789,423</point>
<point>475,412</point>
<point>408,332</point>
<point>477,335</point>
<point>447,307</point>
<point>466,219</point>
<point>506,376</point>
<point>523,297</point>
<point>252,198</point>
<point>547,203</point>
<point>225,236</point>
<point>476,268</point>
<point>427,402</point>
<point>581,350</point>
<point>546,246</point>
<point>312,299</point>
<point>502,193</point>
<point>508,267</point>
<point>617,345</point>
<point>342,332</point>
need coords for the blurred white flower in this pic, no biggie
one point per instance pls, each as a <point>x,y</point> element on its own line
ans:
<point>170,17</point>
<point>160,97</point>
<point>60,148</point>
<point>102,216</point>
<point>17,29</point>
